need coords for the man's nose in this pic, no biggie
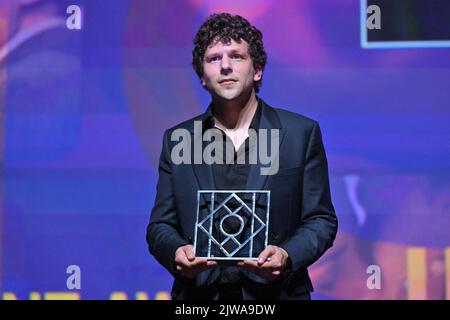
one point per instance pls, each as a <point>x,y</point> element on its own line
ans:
<point>225,65</point>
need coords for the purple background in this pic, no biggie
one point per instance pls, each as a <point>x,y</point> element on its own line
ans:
<point>83,115</point>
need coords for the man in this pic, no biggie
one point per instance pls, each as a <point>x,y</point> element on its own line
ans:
<point>229,59</point>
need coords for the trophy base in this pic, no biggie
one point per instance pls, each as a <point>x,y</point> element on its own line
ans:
<point>225,261</point>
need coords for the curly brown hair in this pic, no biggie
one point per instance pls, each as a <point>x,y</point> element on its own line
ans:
<point>223,27</point>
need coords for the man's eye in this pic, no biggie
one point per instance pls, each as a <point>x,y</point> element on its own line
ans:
<point>237,56</point>
<point>216,58</point>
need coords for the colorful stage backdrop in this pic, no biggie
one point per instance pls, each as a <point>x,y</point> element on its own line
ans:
<point>82,117</point>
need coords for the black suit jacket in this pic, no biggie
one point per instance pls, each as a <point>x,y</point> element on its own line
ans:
<point>302,217</point>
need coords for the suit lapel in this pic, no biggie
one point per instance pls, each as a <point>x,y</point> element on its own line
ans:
<point>205,179</point>
<point>269,120</point>
<point>202,171</point>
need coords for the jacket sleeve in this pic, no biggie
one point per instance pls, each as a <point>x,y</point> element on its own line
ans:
<point>318,227</point>
<point>163,237</point>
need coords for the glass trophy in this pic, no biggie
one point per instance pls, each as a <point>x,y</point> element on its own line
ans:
<point>231,224</point>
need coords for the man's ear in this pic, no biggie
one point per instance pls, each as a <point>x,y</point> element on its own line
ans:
<point>258,75</point>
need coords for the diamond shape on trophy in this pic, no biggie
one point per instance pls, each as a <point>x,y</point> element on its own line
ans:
<point>230,244</point>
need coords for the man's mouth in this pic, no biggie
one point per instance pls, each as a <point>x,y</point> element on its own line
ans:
<point>227,81</point>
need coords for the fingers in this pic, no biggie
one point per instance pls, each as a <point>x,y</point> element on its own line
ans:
<point>181,260</point>
<point>266,254</point>
<point>189,266</point>
<point>185,257</point>
<point>196,263</point>
<point>255,266</point>
<point>269,264</point>
<point>191,270</point>
<point>189,252</point>
<point>212,264</point>
<point>266,271</point>
<point>249,264</point>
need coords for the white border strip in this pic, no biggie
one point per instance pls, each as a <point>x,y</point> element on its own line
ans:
<point>393,44</point>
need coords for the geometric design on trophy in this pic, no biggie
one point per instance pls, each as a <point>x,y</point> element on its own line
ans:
<point>230,225</point>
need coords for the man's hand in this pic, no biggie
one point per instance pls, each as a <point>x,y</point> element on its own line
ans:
<point>187,265</point>
<point>271,262</point>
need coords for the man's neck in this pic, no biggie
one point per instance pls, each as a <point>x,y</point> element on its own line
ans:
<point>230,113</point>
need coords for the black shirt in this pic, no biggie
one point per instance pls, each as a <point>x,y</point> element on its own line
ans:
<point>232,176</point>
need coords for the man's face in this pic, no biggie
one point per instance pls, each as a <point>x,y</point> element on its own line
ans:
<point>228,70</point>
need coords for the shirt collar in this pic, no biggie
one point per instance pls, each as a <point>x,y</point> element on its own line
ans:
<point>208,118</point>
